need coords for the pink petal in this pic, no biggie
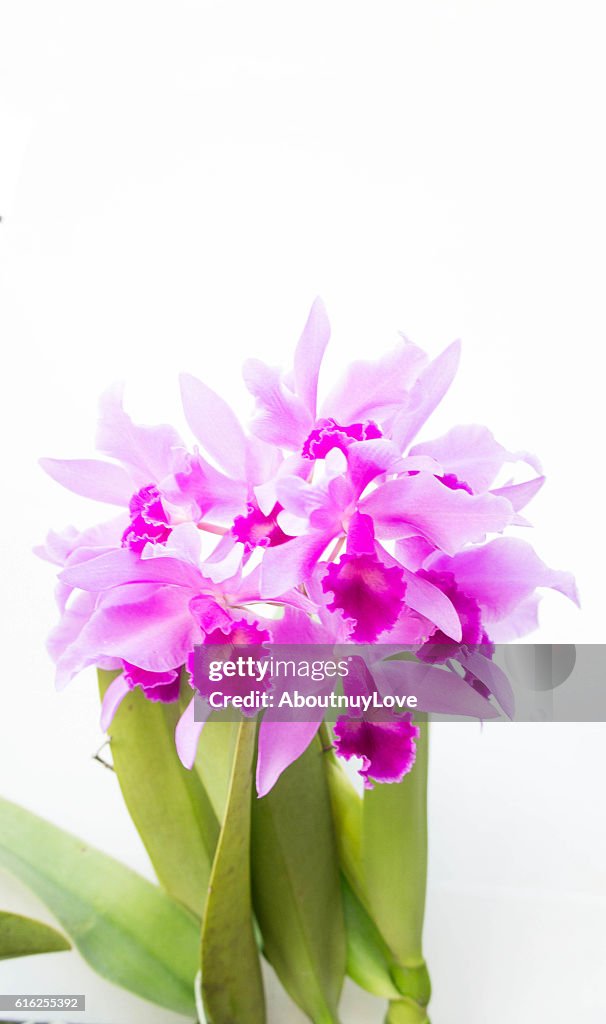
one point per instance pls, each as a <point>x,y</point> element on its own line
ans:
<point>224,562</point>
<point>61,546</point>
<point>149,625</point>
<point>448,518</point>
<point>184,543</point>
<point>282,417</point>
<point>266,493</point>
<point>489,673</point>
<point>431,602</point>
<point>412,551</point>
<point>205,489</point>
<point>114,695</point>
<point>298,496</point>
<point>92,478</point>
<point>436,689</point>
<point>73,620</point>
<point>473,456</point>
<point>59,543</point>
<point>410,629</point>
<point>374,389</point>
<point>148,451</point>
<point>187,734</point>
<point>523,619</point>
<point>281,743</point>
<point>290,564</point>
<point>115,568</point>
<point>215,426</point>
<point>520,494</point>
<point>419,464</point>
<point>502,574</point>
<point>367,460</point>
<point>296,627</point>
<point>470,452</point>
<point>263,461</point>
<point>429,390</point>
<point>290,599</point>
<point>308,355</point>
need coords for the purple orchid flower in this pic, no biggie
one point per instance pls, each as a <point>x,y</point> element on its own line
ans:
<point>390,397</point>
<point>150,464</point>
<point>150,612</point>
<point>325,511</point>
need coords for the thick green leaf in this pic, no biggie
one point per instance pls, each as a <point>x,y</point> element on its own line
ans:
<point>215,759</point>
<point>232,988</point>
<point>296,886</point>
<point>129,930</point>
<point>346,806</point>
<point>369,959</point>
<point>22,936</point>
<point>394,850</point>
<point>168,804</point>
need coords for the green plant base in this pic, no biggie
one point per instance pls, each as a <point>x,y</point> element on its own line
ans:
<point>413,981</point>
<point>406,1011</point>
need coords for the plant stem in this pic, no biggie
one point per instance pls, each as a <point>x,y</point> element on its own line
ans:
<point>406,1011</point>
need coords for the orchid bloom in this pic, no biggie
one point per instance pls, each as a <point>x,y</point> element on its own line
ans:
<point>333,511</point>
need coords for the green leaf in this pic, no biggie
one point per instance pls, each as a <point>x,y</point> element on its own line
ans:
<point>215,759</point>
<point>346,806</point>
<point>296,886</point>
<point>369,959</point>
<point>22,936</point>
<point>128,930</point>
<point>167,803</point>
<point>360,828</point>
<point>394,849</point>
<point>232,988</point>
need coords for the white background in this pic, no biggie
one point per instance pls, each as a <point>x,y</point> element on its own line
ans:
<point>177,182</point>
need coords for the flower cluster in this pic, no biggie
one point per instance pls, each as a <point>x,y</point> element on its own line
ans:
<point>332,514</point>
